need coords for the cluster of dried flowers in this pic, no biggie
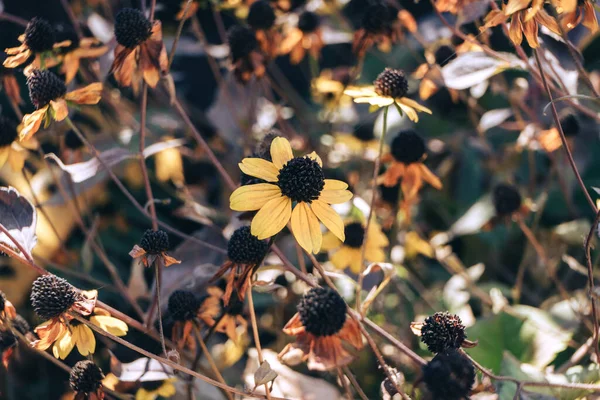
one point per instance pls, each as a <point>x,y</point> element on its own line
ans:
<point>282,187</point>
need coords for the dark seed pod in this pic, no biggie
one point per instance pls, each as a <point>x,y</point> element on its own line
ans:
<point>322,311</point>
<point>443,331</point>
<point>391,83</point>
<point>444,54</point>
<point>301,179</point>
<point>261,15</point>
<point>449,376</point>
<point>155,242</point>
<point>40,36</point>
<point>86,377</point>
<point>132,28</point>
<point>245,248</point>
<point>183,305</point>
<point>570,125</point>
<point>506,199</point>
<point>52,296</point>
<point>242,42</point>
<point>308,22</point>
<point>355,235</point>
<point>408,147</point>
<point>44,86</point>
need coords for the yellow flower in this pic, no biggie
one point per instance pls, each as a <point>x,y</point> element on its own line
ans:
<point>166,389</point>
<point>349,253</point>
<point>389,88</point>
<point>48,94</point>
<point>296,191</point>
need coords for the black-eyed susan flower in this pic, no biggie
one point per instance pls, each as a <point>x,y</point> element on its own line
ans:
<point>48,93</point>
<point>381,24</point>
<point>389,88</point>
<point>321,327</point>
<point>53,298</point>
<point>405,159</point>
<point>261,18</point>
<point>441,332</point>
<point>140,52</point>
<point>348,254</point>
<point>247,60</point>
<point>183,308</point>
<point>306,37</point>
<point>85,380</point>
<point>525,17</point>
<point>575,12</point>
<point>153,246</point>
<point>245,252</point>
<point>12,151</point>
<point>449,376</point>
<point>39,41</point>
<point>296,191</point>
<point>7,310</point>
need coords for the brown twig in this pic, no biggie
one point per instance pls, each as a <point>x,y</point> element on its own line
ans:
<point>256,334</point>
<point>210,360</point>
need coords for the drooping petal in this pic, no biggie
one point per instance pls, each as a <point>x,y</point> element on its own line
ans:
<point>335,196</point>
<point>334,184</point>
<point>494,18</point>
<point>124,65</point>
<point>515,5</point>
<point>272,217</point>
<point>536,5</point>
<point>48,332</point>
<point>110,324</point>
<point>409,111</point>
<point>411,183</point>
<point>329,218</point>
<point>306,228</point>
<point>16,60</point>
<point>413,104</point>
<point>59,109</point>
<point>259,168</point>
<point>430,177</point>
<point>253,197</point>
<point>31,123</point>
<point>84,340</point>
<point>542,17</point>
<point>63,345</point>
<point>281,152</point>
<point>91,94</point>
<point>515,31</point>
<point>393,174</point>
<point>530,29</point>
<point>375,101</point>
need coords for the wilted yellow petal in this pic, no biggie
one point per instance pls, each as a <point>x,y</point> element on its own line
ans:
<point>281,152</point>
<point>84,339</point>
<point>31,123</point>
<point>413,104</point>
<point>259,168</point>
<point>329,218</point>
<point>253,197</point>
<point>63,345</point>
<point>60,109</point>
<point>91,94</point>
<point>306,228</point>
<point>375,101</point>
<point>515,5</point>
<point>271,218</point>
<point>110,324</point>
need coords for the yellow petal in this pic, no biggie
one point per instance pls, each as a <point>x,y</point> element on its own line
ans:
<point>356,261</point>
<point>334,184</point>
<point>84,339</point>
<point>515,32</point>
<point>167,389</point>
<point>60,109</point>
<point>335,196</point>
<point>15,61</point>
<point>330,241</point>
<point>16,159</point>
<point>342,258</point>
<point>413,104</point>
<point>360,91</point>
<point>375,101</point>
<point>409,111</point>
<point>63,345</point>
<point>272,217</point>
<point>31,123</point>
<point>306,228</point>
<point>536,5</point>
<point>91,94</point>
<point>281,152</point>
<point>109,324</point>
<point>253,197</point>
<point>4,153</point>
<point>329,218</point>
<point>259,168</point>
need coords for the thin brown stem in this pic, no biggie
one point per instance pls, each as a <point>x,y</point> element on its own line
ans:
<point>210,360</point>
<point>256,334</point>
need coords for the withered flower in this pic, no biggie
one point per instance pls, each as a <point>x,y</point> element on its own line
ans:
<point>86,381</point>
<point>441,332</point>
<point>575,12</point>
<point>153,246</point>
<point>140,52</point>
<point>449,376</point>
<point>261,18</point>
<point>321,326</point>
<point>247,60</point>
<point>306,37</point>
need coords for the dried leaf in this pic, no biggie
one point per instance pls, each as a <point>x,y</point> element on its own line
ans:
<point>264,374</point>
<point>19,217</point>
<point>471,69</point>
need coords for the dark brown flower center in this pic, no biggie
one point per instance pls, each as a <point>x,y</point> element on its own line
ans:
<point>86,377</point>
<point>506,199</point>
<point>52,296</point>
<point>355,235</point>
<point>408,147</point>
<point>39,35</point>
<point>44,87</point>
<point>391,83</point>
<point>301,179</point>
<point>132,28</point>
<point>245,248</point>
<point>155,242</point>
<point>322,311</point>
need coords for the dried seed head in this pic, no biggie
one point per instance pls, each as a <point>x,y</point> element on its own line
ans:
<point>72,141</point>
<point>8,133</point>
<point>408,147</point>
<point>183,305</point>
<point>449,376</point>
<point>40,36</point>
<point>261,15</point>
<point>301,179</point>
<point>86,377</point>
<point>44,86</point>
<point>132,28</point>
<point>245,248</point>
<point>52,296</point>
<point>355,235</point>
<point>322,311</point>
<point>443,331</point>
<point>242,42</point>
<point>155,242</point>
<point>444,54</point>
<point>506,199</point>
<point>308,22</point>
<point>391,83</point>
<point>570,125</point>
